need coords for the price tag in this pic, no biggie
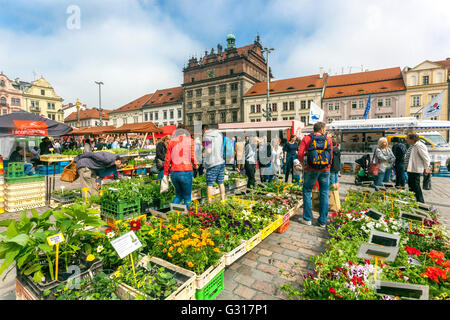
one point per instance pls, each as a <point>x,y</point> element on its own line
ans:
<point>126,244</point>
<point>182,208</point>
<point>55,239</point>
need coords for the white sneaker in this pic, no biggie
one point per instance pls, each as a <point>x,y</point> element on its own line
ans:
<point>308,223</point>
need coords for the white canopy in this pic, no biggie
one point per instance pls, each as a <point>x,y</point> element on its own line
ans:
<point>388,124</point>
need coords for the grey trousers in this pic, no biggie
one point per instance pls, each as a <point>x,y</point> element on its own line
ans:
<point>88,179</point>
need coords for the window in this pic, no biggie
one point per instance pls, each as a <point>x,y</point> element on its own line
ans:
<point>302,119</point>
<point>361,104</point>
<point>165,114</point>
<point>274,107</point>
<point>425,80</point>
<point>124,120</point>
<point>309,103</point>
<point>199,104</point>
<point>151,116</point>
<point>234,100</point>
<point>223,88</point>
<point>274,119</point>
<point>258,120</point>
<point>354,105</point>
<point>285,118</point>
<point>3,100</point>
<point>37,104</point>
<point>231,71</point>
<point>291,118</point>
<point>212,117</point>
<point>156,115</point>
<point>145,117</point>
<point>42,92</point>
<point>432,96</point>
<point>223,116</point>
<point>199,117</point>
<point>192,79</point>
<point>2,83</point>
<point>291,105</point>
<point>285,106</point>
<point>211,102</point>
<point>189,93</point>
<point>303,104</point>
<point>32,103</point>
<point>179,113</point>
<point>235,116</point>
<point>136,119</point>
<point>252,120</point>
<point>252,108</point>
<point>222,101</point>
<point>330,107</point>
<point>416,101</point>
<point>336,106</point>
<point>212,90</point>
<point>387,102</point>
<point>171,114</point>
<point>190,119</point>
<point>234,86</point>
<point>258,108</point>
<point>380,102</point>
<point>198,92</point>
<point>189,105</point>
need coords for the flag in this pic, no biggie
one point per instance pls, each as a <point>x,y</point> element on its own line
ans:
<point>366,113</point>
<point>315,113</point>
<point>434,107</point>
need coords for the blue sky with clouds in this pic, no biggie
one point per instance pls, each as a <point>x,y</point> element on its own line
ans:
<point>138,46</point>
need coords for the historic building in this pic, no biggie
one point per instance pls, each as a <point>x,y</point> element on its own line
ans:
<point>88,118</point>
<point>39,97</point>
<point>10,97</point>
<point>214,85</point>
<point>346,96</point>
<point>129,113</point>
<point>289,99</point>
<point>425,81</point>
<point>165,107</point>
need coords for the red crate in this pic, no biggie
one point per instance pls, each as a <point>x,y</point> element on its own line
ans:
<point>283,227</point>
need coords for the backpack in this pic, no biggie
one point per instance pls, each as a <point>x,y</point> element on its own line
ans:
<point>319,152</point>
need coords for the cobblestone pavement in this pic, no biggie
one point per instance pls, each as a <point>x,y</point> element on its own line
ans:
<point>256,276</point>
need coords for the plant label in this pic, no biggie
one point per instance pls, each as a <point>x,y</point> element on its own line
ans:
<point>421,212</point>
<point>370,251</point>
<point>411,216</point>
<point>374,214</point>
<point>384,239</point>
<point>388,185</point>
<point>55,239</point>
<point>126,244</point>
<point>424,206</point>
<point>404,290</point>
<point>178,207</point>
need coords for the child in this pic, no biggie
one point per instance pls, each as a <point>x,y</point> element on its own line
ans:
<point>297,172</point>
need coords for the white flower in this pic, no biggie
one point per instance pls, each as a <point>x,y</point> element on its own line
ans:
<point>111,234</point>
<point>99,249</point>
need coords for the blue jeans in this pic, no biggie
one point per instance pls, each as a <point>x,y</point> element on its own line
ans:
<point>333,177</point>
<point>309,179</point>
<point>28,167</point>
<point>383,176</point>
<point>182,181</point>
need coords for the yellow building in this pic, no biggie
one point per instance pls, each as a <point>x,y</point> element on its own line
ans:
<point>41,98</point>
<point>424,82</point>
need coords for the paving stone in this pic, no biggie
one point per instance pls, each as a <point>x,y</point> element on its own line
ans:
<point>283,265</point>
<point>251,255</point>
<point>289,246</point>
<point>264,287</point>
<point>244,292</point>
<point>264,259</point>
<point>227,296</point>
<point>263,276</point>
<point>268,269</point>
<point>280,257</point>
<point>265,252</point>
<point>244,280</point>
<point>262,296</point>
<point>249,262</point>
<point>245,270</point>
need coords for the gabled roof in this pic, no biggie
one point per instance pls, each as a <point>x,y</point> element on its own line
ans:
<point>445,63</point>
<point>377,81</point>
<point>288,85</point>
<point>88,114</point>
<point>134,105</point>
<point>165,96</point>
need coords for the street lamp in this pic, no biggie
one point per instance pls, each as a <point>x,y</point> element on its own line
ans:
<point>100,100</point>
<point>268,111</point>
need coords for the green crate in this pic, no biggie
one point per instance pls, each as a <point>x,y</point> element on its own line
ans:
<point>16,169</point>
<point>212,289</point>
<point>24,179</point>
<point>121,210</point>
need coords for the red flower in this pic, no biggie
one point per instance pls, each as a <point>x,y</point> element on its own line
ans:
<point>108,230</point>
<point>350,262</point>
<point>319,263</point>
<point>227,236</point>
<point>434,273</point>
<point>366,261</point>
<point>411,250</point>
<point>331,290</point>
<point>135,225</point>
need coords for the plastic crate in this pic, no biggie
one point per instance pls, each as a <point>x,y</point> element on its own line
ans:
<point>121,210</point>
<point>253,241</point>
<point>283,227</point>
<point>184,277</point>
<point>20,195</point>
<point>211,272</point>
<point>211,290</point>
<point>25,179</point>
<point>24,187</point>
<point>16,167</point>
<point>44,170</point>
<point>63,164</point>
<point>235,254</point>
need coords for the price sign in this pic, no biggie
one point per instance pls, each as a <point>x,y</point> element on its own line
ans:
<point>126,244</point>
<point>178,207</point>
<point>55,239</point>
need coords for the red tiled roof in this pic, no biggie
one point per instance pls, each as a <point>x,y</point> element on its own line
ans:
<point>364,77</point>
<point>88,114</point>
<point>288,85</point>
<point>166,96</point>
<point>135,128</point>
<point>135,104</point>
<point>364,88</point>
<point>445,63</point>
<point>240,51</point>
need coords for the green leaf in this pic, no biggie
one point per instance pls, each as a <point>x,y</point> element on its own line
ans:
<point>33,268</point>
<point>6,222</point>
<point>9,259</point>
<point>74,247</point>
<point>23,258</point>
<point>38,276</point>
<point>41,236</point>
<point>34,213</point>
<point>59,216</point>
<point>87,248</point>
<point>21,239</point>
<point>45,247</point>
<point>12,231</point>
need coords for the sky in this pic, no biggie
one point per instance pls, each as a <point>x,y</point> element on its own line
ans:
<point>136,47</point>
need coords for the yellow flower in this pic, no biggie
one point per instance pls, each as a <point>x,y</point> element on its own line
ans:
<point>169,255</point>
<point>169,242</point>
<point>217,232</point>
<point>190,264</point>
<point>164,250</point>
<point>175,237</point>
<point>90,257</point>
<point>160,243</point>
<point>195,235</point>
<point>179,226</point>
<point>196,249</point>
<point>180,250</point>
<point>216,250</point>
<point>171,248</point>
<point>151,231</point>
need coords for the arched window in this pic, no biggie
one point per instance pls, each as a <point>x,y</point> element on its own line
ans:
<point>2,83</point>
<point>3,100</point>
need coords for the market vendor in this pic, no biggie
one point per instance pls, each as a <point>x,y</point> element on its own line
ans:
<point>94,166</point>
<point>17,156</point>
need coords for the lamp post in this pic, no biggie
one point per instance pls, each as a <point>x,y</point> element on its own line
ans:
<point>268,111</point>
<point>100,101</point>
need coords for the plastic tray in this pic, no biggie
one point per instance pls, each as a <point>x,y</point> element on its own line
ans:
<point>211,290</point>
<point>203,279</point>
<point>253,241</point>
<point>235,254</point>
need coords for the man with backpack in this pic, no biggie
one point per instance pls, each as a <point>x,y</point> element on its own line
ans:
<point>319,155</point>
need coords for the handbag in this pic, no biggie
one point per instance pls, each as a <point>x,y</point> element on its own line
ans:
<point>164,184</point>
<point>70,173</point>
<point>374,168</point>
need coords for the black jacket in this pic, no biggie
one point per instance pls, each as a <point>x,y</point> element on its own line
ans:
<point>399,151</point>
<point>336,163</point>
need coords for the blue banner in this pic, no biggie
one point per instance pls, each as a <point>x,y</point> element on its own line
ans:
<point>366,113</point>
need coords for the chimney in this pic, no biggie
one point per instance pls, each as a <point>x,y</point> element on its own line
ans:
<point>321,73</point>
<point>219,49</point>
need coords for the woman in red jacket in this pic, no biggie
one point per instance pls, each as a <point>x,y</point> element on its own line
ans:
<point>180,158</point>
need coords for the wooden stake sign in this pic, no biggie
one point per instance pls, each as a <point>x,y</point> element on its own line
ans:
<point>85,190</point>
<point>56,240</point>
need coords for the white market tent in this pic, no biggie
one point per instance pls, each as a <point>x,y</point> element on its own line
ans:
<point>388,124</point>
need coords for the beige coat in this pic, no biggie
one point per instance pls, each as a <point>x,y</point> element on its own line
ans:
<point>419,160</point>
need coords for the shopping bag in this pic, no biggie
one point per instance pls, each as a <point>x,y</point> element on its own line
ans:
<point>164,184</point>
<point>373,168</point>
<point>427,181</point>
<point>334,203</point>
<point>70,173</point>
